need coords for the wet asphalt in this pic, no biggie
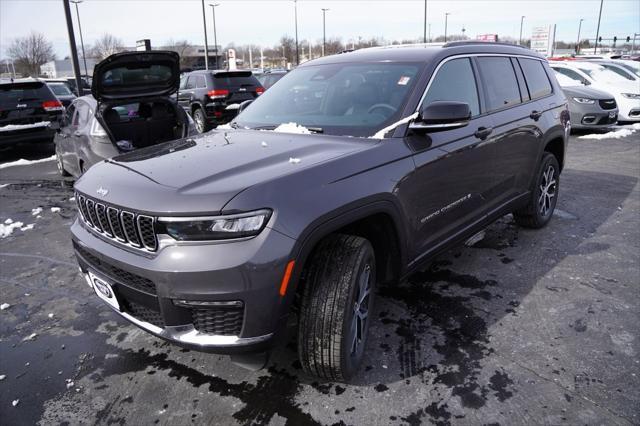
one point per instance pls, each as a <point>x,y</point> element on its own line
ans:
<point>523,327</point>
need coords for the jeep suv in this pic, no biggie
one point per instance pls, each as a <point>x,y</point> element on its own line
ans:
<point>214,97</point>
<point>353,170</point>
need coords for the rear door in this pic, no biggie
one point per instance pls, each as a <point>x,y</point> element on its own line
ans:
<point>185,94</point>
<point>454,170</point>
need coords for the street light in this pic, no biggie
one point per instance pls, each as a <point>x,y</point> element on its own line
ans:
<point>578,42</point>
<point>424,36</point>
<point>521,22</point>
<point>215,36</point>
<point>446,17</point>
<point>84,58</point>
<point>206,43</point>
<point>595,49</point>
<point>295,6</point>
<point>324,30</point>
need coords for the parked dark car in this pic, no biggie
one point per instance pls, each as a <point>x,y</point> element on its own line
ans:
<point>389,156</point>
<point>270,77</point>
<point>71,82</point>
<point>29,112</point>
<point>129,108</point>
<point>213,97</point>
<point>62,92</point>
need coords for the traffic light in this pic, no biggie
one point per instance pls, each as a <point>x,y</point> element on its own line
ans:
<point>600,39</point>
<point>628,39</point>
<point>615,39</point>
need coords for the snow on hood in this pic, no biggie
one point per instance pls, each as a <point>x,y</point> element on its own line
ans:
<point>12,127</point>
<point>294,128</point>
<point>23,162</point>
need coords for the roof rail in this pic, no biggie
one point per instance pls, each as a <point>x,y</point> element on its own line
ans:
<point>479,42</point>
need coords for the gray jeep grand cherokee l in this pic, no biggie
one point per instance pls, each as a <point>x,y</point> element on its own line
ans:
<point>353,170</point>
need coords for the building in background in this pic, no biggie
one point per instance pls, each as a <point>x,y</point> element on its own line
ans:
<point>64,68</point>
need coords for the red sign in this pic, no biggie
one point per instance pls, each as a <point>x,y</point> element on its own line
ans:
<point>487,37</point>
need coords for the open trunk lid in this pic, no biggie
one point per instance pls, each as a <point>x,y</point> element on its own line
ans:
<point>136,75</point>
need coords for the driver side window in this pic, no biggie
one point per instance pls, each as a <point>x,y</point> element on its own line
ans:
<point>455,81</point>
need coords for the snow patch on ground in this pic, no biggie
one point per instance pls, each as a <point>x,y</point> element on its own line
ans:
<point>620,133</point>
<point>4,185</point>
<point>4,306</point>
<point>8,227</point>
<point>23,162</point>
<point>292,128</point>
<point>55,209</point>
<point>36,211</point>
<point>12,127</point>
<point>28,227</point>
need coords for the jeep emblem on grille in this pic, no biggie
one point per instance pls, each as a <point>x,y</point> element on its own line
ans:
<point>102,192</point>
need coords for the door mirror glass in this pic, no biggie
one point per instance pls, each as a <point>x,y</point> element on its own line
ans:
<point>442,115</point>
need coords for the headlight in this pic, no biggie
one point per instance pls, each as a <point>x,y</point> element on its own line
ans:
<point>584,100</point>
<point>631,95</point>
<point>215,228</point>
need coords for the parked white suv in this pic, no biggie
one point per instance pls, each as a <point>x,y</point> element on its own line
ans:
<point>625,92</point>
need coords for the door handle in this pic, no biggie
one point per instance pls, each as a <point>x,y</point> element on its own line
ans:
<point>535,115</point>
<point>483,132</point>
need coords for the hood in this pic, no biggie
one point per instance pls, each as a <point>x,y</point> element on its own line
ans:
<point>585,92</point>
<point>203,174</point>
<point>136,75</point>
<point>618,87</point>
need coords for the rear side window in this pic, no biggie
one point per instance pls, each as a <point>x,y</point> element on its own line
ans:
<point>234,80</point>
<point>501,85</point>
<point>455,82</point>
<point>536,77</point>
<point>13,94</point>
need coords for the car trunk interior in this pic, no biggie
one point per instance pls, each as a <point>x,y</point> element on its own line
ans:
<point>141,124</point>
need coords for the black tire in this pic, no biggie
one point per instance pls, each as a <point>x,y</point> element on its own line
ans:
<point>328,346</point>
<point>60,166</point>
<point>539,209</point>
<point>200,120</point>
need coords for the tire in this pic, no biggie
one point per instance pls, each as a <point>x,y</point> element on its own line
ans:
<point>340,281</point>
<point>60,165</point>
<point>544,195</point>
<point>200,120</point>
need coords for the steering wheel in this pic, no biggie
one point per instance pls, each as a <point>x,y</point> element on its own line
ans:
<point>388,107</point>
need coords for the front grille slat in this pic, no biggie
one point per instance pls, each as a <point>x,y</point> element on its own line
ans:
<point>126,227</point>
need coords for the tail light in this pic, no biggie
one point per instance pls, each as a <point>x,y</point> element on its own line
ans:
<point>52,106</point>
<point>259,90</point>
<point>218,93</point>
<point>217,114</point>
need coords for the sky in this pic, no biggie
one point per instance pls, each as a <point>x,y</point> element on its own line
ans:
<point>263,22</point>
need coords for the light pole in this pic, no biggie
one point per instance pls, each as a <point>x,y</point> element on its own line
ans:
<point>429,33</point>
<point>595,49</point>
<point>521,22</point>
<point>84,58</point>
<point>206,43</point>
<point>578,41</point>
<point>72,46</point>
<point>446,18</point>
<point>215,36</point>
<point>295,8</point>
<point>424,36</point>
<point>324,31</point>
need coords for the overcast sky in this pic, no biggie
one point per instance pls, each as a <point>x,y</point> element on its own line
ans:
<point>264,22</point>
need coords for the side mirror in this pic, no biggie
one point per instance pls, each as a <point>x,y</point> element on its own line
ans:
<point>244,105</point>
<point>442,115</point>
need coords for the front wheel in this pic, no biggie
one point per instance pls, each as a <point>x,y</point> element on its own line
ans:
<point>336,307</point>
<point>544,195</point>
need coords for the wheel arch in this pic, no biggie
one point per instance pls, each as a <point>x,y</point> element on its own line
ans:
<point>556,146</point>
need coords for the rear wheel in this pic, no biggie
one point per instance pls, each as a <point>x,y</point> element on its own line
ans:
<point>336,308</point>
<point>60,165</point>
<point>544,195</point>
<point>200,120</point>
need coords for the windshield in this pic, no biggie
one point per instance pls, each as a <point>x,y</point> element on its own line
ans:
<point>336,99</point>
<point>603,74</point>
<point>60,89</point>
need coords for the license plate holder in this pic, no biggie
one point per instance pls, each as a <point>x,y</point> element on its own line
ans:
<point>104,290</point>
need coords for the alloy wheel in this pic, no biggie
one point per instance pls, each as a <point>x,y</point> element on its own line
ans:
<point>360,310</point>
<point>547,191</point>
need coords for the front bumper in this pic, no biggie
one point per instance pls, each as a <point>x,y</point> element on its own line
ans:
<point>180,293</point>
<point>595,118</point>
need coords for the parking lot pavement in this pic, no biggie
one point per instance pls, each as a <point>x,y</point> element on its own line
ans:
<point>524,327</point>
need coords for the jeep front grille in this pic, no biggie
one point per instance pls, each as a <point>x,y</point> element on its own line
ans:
<point>127,227</point>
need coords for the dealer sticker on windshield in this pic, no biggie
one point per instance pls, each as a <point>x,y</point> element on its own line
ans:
<point>404,80</point>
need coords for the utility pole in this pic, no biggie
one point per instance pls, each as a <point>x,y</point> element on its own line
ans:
<point>521,22</point>
<point>424,36</point>
<point>578,42</point>
<point>324,31</point>
<point>215,36</point>
<point>595,49</point>
<point>295,6</point>
<point>429,33</point>
<point>446,17</point>
<point>84,57</point>
<point>206,43</point>
<point>72,46</point>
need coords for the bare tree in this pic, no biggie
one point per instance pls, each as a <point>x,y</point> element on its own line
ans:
<point>181,47</point>
<point>106,45</point>
<point>29,52</point>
